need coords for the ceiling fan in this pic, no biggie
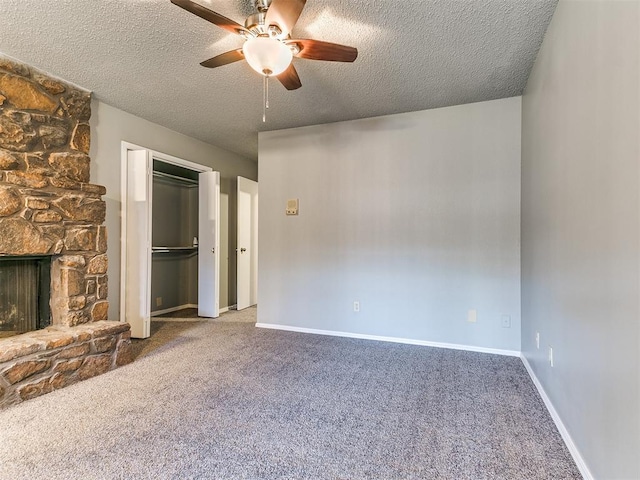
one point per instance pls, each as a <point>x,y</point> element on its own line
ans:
<point>268,47</point>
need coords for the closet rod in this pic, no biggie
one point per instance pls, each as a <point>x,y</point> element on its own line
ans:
<point>188,181</point>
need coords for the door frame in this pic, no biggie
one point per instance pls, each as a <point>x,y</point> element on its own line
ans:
<point>125,147</point>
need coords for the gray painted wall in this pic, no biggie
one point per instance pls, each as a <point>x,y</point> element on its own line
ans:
<point>109,127</point>
<point>416,216</point>
<point>580,228</point>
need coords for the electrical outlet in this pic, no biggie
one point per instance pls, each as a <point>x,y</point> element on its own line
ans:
<point>356,306</point>
<point>550,355</point>
<point>506,321</point>
<point>538,340</point>
<point>472,316</point>
<point>158,301</point>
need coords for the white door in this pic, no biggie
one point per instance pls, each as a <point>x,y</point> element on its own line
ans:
<point>209,244</point>
<point>247,243</point>
<point>137,261</point>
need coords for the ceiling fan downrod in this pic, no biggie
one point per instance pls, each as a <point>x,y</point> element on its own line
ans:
<point>262,5</point>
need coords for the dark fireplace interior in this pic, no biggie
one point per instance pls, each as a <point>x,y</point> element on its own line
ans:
<point>25,290</point>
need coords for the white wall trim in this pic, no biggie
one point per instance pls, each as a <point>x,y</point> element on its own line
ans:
<point>164,157</point>
<point>124,148</point>
<point>575,453</point>
<point>223,310</point>
<point>173,309</point>
<point>408,341</point>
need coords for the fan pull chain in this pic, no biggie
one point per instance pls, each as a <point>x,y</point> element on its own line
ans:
<point>265,97</point>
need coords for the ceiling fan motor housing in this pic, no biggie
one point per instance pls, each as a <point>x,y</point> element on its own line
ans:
<point>257,25</point>
<point>255,22</point>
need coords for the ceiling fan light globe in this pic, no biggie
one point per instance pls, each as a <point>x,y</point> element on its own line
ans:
<point>267,56</point>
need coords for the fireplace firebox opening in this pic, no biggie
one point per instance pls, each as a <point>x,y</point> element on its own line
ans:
<point>25,292</point>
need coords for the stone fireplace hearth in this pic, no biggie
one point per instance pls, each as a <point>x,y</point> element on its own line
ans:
<point>48,207</point>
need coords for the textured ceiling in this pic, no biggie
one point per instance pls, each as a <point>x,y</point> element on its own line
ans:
<point>142,56</point>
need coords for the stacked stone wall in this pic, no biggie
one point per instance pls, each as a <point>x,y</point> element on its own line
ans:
<point>47,204</point>
<point>49,207</point>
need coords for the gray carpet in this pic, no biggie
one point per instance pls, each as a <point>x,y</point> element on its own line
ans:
<point>165,329</point>
<point>224,400</point>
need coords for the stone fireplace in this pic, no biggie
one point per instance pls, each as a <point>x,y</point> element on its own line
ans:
<point>49,208</point>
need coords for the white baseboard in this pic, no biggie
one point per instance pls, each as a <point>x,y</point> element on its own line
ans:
<point>575,453</point>
<point>173,309</point>
<point>408,341</point>
<point>223,310</point>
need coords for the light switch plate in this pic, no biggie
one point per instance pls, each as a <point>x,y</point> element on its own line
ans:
<point>292,206</point>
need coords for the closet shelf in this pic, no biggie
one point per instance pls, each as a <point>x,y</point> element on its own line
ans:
<point>174,249</point>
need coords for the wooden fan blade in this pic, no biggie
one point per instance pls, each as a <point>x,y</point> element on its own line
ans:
<point>224,59</point>
<point>289,78</point>
<point>331,52</point>
<point>284,14</point>
<point>210,15</point>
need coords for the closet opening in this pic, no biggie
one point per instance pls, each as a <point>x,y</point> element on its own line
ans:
<point>170,230</point>
<point>174,241</point>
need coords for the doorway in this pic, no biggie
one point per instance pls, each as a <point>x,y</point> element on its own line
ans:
<point>174,239</point>
<point>247,251</point>
<point>170,237</point>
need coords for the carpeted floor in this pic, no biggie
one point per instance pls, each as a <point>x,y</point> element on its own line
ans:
<point>165,329</point>
<point>224,400</point>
